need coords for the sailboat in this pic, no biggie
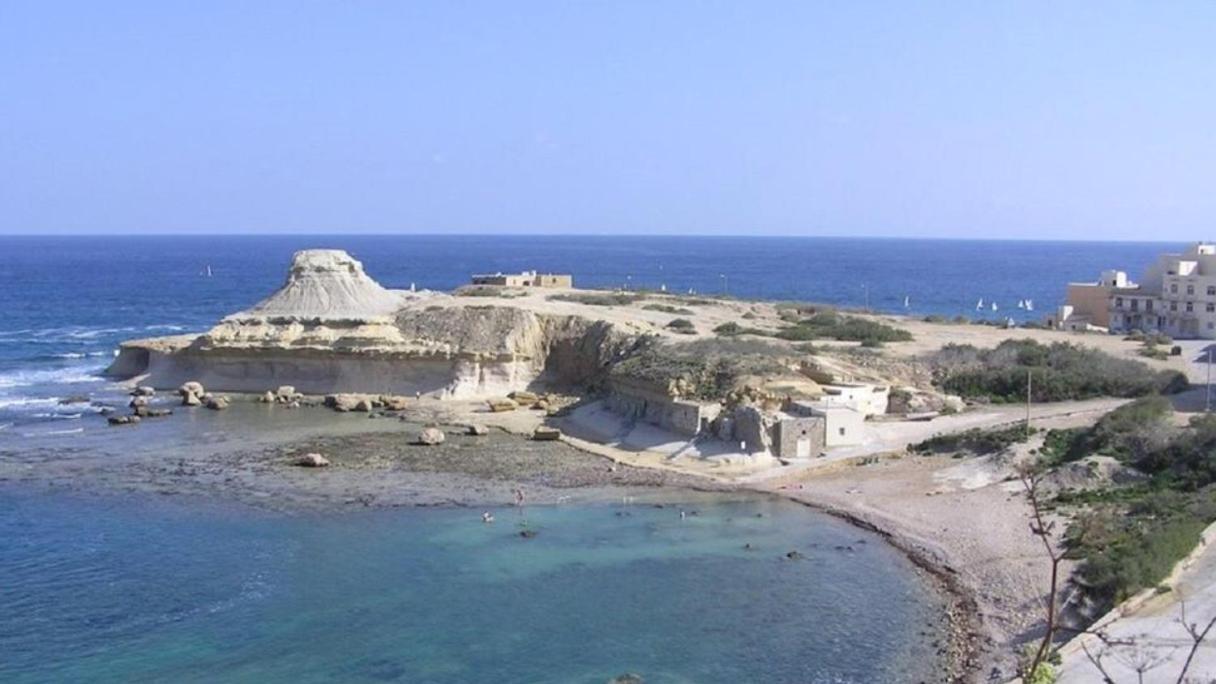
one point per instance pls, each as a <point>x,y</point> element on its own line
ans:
<point>994,306</point>
<point>1030,305</point>
<point>208,272</point>
<point>980,304</point>
<point>1021,303</point>
<point>907,301</point>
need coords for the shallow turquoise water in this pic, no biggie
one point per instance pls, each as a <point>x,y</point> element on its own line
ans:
<point>102,589</point>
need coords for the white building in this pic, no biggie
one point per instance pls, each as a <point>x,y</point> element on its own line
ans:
<point>1177,297</point>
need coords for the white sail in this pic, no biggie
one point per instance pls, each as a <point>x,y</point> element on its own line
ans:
<point>907,301</point>
<point>1030,305</point>
<point>1021,303</point>
<point>980,304</point>
<point>994,306</point>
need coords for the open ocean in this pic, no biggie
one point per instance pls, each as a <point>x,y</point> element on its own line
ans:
<point>66,302</point>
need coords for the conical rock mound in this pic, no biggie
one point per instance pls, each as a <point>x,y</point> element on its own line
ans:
<point>328,283</point>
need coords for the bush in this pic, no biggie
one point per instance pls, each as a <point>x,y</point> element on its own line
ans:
<point>667,308</point>
<point>682,326</point>
<point>975,440</point>
<point>731,329</point>
<point>1059,372</point>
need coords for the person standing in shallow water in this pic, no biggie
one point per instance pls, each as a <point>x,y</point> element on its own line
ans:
<point>519,496</point>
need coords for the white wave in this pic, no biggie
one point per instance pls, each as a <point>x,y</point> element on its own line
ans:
<point>12,402</point>
<point>83,355</point>
<point>58,416</point>
<point>44,433</point>
<point>70,375</point>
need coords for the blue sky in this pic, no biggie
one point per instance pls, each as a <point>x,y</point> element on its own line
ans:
<point>1077,120</point>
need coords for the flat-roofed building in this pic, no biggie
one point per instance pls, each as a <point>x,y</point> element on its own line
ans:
<point>525,279</point>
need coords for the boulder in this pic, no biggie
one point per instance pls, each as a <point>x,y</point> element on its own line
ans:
<point>394,403</point>
<point>285,393</point>
<point>342,402</point>
<point>157,413</point>
<point>541,405</point>
<point>546,434</point>
<point>217,403</point>
<point>143,391</point>
<point>74,399</point>
<point>476,430</point>
<point>311,461</point>
<point>501,405</point>
<point>141,410</point>
<point>523,397</point>
<point>431,436</point>
<point>123,420</point>
<point>137,402</point>
<point>364,405</point>
<point>191,400</point>
<point>267,398</point>
<point>193,387</point>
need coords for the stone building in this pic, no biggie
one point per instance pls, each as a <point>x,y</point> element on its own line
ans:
<point>525,279</point>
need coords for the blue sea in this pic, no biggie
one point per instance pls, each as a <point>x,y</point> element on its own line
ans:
<point>99,587</point>
<point>66,302</point>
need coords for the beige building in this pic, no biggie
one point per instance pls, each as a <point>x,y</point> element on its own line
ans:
<point>525,279</point>
<point>1177,297</point>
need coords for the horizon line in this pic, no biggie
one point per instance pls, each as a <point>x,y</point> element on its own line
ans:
<point>597,235</point>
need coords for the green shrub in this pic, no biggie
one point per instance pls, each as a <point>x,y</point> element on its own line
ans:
<point>975,440</point>
<point>682,326</point>
<point>706,369</point>
<point>1058,372</point>
<point>731,329</point>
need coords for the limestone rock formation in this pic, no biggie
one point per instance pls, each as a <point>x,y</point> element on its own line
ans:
<point>327,283</point>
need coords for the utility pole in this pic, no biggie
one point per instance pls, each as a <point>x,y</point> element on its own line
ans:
<point>1028,381</point>
<point>1207,389</point>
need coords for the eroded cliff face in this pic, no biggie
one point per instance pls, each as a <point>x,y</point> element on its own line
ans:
<point>331,328</point>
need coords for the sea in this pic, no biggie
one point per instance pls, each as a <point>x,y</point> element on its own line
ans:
<point>133,587</point>
<point>66,302</point>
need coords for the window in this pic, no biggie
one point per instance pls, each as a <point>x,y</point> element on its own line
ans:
<point>1211,307</point>
<point>1190,289</point>
<point>1173,306</point>
<point>1190,307</point>
<point>842,432</point>
<point>1135,305</point>
<point>1212,290</point>
<point>1173,288</point>
<point>1148,305</point>
<point>1118,302</point>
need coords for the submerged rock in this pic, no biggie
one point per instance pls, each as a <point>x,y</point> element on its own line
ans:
<point>74,399</point>
<point>217,403</point>
<point>143,391</point>
<point>191,400</point>
<point>627,678</point>
<point>312,460</point>
<point>123,420</point>
<point>191,388</point>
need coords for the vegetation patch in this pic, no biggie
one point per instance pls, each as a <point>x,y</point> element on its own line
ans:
<point>667,308</point>
<point>599,298</point>
<point>487,291</point>
<point>833,326</point>
<point>1129,538</point>
<point>1057,372</point>
<point>976,440</point>
<point>731,329</point>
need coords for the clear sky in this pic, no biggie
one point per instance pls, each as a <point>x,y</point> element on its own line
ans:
<point>1085,120</point>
